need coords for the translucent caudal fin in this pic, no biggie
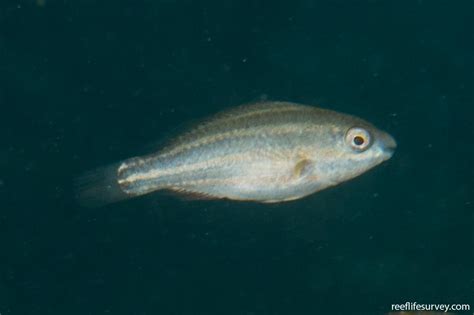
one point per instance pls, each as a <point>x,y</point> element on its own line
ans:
<point>99,187</point>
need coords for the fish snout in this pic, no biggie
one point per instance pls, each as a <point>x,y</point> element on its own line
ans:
<point>387,144</point>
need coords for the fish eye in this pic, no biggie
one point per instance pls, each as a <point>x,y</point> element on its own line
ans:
<point>358,139</point>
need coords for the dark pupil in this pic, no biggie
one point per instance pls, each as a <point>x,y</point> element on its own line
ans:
<point>358,140</point>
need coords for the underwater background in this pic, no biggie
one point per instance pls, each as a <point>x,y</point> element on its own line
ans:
<point>85,83</point>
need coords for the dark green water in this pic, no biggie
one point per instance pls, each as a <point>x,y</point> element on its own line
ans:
<point>86,83</point>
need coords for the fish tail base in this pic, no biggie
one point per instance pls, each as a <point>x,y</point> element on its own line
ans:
<point>99,187</point>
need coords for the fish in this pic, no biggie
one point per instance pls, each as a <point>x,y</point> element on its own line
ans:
<point>267,152</point>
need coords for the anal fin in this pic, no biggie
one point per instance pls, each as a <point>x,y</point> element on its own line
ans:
<point>190,195</point>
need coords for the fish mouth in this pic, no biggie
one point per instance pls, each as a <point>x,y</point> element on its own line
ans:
<point>388,144</point>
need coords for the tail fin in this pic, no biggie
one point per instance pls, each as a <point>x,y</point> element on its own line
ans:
<point>99,187</point>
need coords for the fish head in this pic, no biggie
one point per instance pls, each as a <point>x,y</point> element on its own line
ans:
<point>349,148</point>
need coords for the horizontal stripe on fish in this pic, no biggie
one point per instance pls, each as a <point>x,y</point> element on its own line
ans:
<point>251,112</point>
<point>268,130</point>
<point>190,185</point>
<point>187,168</point>
<point>215,163</point>
<point>245,118</point>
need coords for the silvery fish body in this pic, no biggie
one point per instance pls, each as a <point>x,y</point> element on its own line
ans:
<point>265,152</point>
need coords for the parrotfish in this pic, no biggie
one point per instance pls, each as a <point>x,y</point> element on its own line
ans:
<point>264,152</point>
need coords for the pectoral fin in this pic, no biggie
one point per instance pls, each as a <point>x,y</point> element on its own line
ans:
<point>303,168</point>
